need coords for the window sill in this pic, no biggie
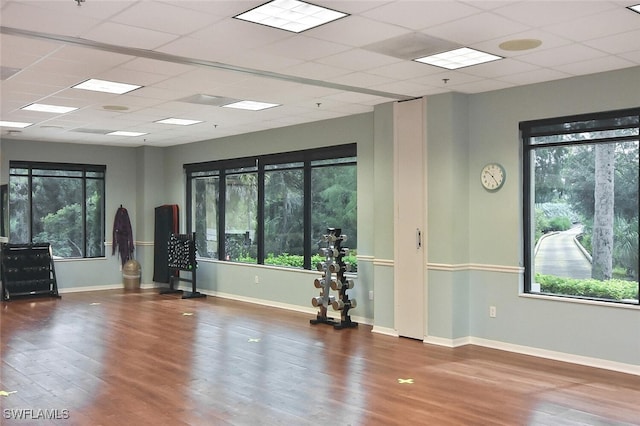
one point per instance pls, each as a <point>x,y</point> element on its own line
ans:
<point>581,301</point>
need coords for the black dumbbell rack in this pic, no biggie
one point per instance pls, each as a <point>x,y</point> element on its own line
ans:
<point>182,257</point>
<point>333,264</point>
<point>27,270</point>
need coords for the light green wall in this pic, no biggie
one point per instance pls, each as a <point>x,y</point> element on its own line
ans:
<point>120,189</point>
<point>486,271</point>
<point>383,216</point>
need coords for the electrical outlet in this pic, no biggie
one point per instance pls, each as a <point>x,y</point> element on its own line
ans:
<point>492,311</point>
<point>370,294</point>
<point>257,279</point>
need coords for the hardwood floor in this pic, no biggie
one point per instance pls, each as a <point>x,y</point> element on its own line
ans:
<point>139,358</point>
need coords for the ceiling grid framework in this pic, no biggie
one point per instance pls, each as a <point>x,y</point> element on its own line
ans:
<point>182,51</point>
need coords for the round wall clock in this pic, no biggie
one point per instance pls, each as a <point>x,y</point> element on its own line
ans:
<point>492,176</point>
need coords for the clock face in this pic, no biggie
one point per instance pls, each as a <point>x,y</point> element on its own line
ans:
<point>492,176</point>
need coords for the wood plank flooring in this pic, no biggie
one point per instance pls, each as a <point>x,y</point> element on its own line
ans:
<point>139,358</point>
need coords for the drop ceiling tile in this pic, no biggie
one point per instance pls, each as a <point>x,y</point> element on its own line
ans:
<point>73,70</point>
<point>417,15</point>
<point>362,79</point>
<point>53,81</point>
<point>156,66</point>
<point>349,6</point>
<point>130,36</point>
<point>26,88</point>
<point>407,87</point>
<point>618,43</point>
<point>89,60</point>
<point>545,13</point>
<point>318,71</point>
<point>538,76</point>
<point>499,68</point>
<point>201,80</point>
<point>62,20</point>
<point>477,28</point>
<point>246,35</point>
<point>164,17</point>
<point>631,56</point>
<point>561,55</point>
<point>447,79</point>
<point>358,98</point>
<point>489,4</point>
<point>356,31</point>
<point>221,9</point>
<point>151,92</point>
<point>303,47</point>
<point>21,52</point>
<point>597,26</point>
<point>596,65</point>
<point>124,75</point>
<point>257,59</point>
<point>189,47</point>
<point>358,60</point>
<point>405,70</point>
<point>99,10</point>
<point>482,86</point>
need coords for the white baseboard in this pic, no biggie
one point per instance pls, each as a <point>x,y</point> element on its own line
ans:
<point>537,352</point>
<point>449,343</point>
<point>384,330</point>
<point>101,287</point>
<point>89,288</point>
<point>558,356</point>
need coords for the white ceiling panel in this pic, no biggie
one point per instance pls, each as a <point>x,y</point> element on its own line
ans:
<point>477,28</point>
<point>303,47</point>
<point>63,20</point>
<point>603,24</point>
<point>542,13</point>
<point>125,35</point>
<point>177,49</point>
<point>357,31</point>
<point>358,60</point>
<point>562,55</point>
<point>618,43</point>
<point>164,17</point>
<point>596,65</point>
<point>418,15</point>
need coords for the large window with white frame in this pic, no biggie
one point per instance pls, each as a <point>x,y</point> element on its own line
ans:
<point>58,203</point>
<point>273,209</point>
<point>581,186</point>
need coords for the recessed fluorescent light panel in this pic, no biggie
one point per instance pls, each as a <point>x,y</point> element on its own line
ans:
<point>458,58</point>
<point>250,105</point>
<point>16,124</point>
<point>106,86</point>
<point>290,15</point>
<point>178,121</point>
<point>123,133</point>
<point>635,8</point>
<point>57,109</point>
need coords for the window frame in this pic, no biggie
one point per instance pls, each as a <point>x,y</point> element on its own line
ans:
<point>527,132</point>
<point>85,170</point>
<point>306,157</point>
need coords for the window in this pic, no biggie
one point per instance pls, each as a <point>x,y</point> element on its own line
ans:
<point>60,204</point>
<point>284,214</point>
<point>273,209</point>
<point>581,206</point>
